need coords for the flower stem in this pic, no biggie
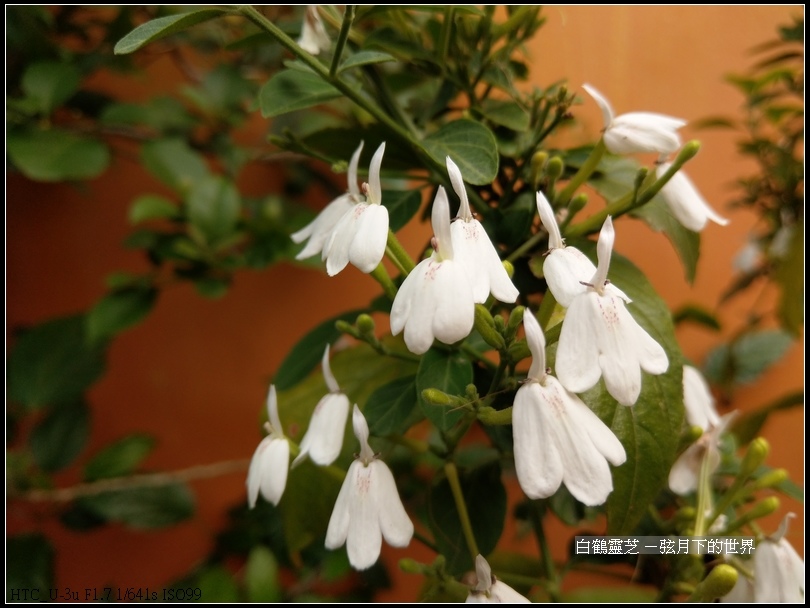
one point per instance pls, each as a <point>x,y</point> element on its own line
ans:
<point>381,276</point>
<point>345,28</point>
<point>398,255</point>
<point>536,511</point>
<point>581,176</point>
<point>455,487</point>
<point>704,495</point>
<point>492,417</point>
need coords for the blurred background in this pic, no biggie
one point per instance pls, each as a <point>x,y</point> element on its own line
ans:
<point>194,373</point>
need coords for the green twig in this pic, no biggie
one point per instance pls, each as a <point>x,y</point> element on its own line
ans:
<point>455,487</point>
<point>345,28</point>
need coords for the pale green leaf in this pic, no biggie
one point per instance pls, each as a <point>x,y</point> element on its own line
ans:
<point>214,206</point>
<point>261,576</point>
<point>151,207</point>
<point>55,155</point>
<point>471,146</point>
<point>365,58</point>
<point>294,90</point>
<point>390,406</point>
<point>174,163</point>
<point>50,83</point>
<point>164,26</point>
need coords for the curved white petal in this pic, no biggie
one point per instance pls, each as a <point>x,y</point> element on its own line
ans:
<point>483,574</point>
<point>274,468</point>
<point>639,132</point>
<point>537,460</point>
<point>536,340</point>
<point>336,250</point>
<point>454,307</point>
<point>364,541</point>
<point>318,230</point>
<point>604,439</point>
<point>354,189</point>
<point>604,248</point>
<point>603,103</point>
<point>778,573</point>
<point>374,184</point>
<point>457,181</point>
<point>617,341</point>
<point>324,437</point>
<point>328,377</point>
<point>396,526</point>
<point>698,400</point>
<point>338,529</point>
<point>371,234</point>
<point>548,220</point>
<point>651,355</point>
<point>403,301</point>
<point>272,413</point>
<point>314,38</point>
<point>683,476</point>
<point>440,220</point>
<point>685,202</point>
<point>502,593</point>
<point>577,363</point>
<point>565,271</point>
<point>360,427</point>
<point>473,249</point>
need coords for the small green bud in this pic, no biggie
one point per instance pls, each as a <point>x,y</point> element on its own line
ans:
<point>755,455</point>
<point>487,327</point>
<point>515,319</point>
<point>577,204</point>
<point>641,175</point>
<point>719,582</point>
<point>411,566</point>
<point>365,324</point>
<point>471,392</point>
<point>539,160</point>
<point>771,479</point>
<point>765,507</point>
<point>510,269</point>
<point>436,397</point>
<point>555,168</point>
<point>345,327</point>
<point>688,151</point>
<point>499,323</point>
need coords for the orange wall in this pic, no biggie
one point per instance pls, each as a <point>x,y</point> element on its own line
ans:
<point>194,374</point>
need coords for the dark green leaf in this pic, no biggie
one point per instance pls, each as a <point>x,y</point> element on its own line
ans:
<point>747,358</point>
<point>365,58</point>
<point>390,406</point>
<point>505,113</point>
<point>649,430</point>
<point>790,277</point>
<point>471,146</point>
<point>214,207</point>
<point>29,568</point>
<point>305,355</point>
<point>211,287</point>
<point>54,155</point>
<point>145,507</point>
<point>119,458</point>
<point>60,436</point>
<point>402,206</point>
<point>695,314</point>
<point>118,311</point>
<point>53,363</point>
<point>174,163</point>
<point>747,426</point>
<point>216,585</point>
<point>151,207</point>
<point>261,576</point>
<point>50,83</point>
<point>485,498</point>
<point>448,372</point>
<point>294,90</point>
<point>164,26</point>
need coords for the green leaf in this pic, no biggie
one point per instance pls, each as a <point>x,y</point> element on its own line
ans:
<point>261,576</point>
<point>648,430</point>
<point>471,146</point>
<point>485,497</point>
<point>746,358</point>
<point>305,355</point>
<point>164,26</point>
<point>747,426</point>
<point>365,58</point>
<point>656,215</point>
<point>506,113</point>
<point>214,206</point>
<point>58,438</point>
<point>694,313</point>
<point>50,83</point>
<point>294,90</point>
<point>119,458</point>
<point>389,407</point>
<point>144,508</point>
<point>55,155</point>
<point>118,311</point>
<point>446,371</point>
<point>216,585</point>
<point>151,207</point>
<point>174,163</point>
<point>53,363</point>
<point>790,277</point>
<point>29,568</point>
<point>402,206</point>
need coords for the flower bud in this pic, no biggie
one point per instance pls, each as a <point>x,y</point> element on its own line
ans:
<point>554,168</point>
<point>365,324</point>
<point>718,583</point>
<point>771,479</point>
<point>755,455</point>
<point>485,325</point>
<point>436,397</point>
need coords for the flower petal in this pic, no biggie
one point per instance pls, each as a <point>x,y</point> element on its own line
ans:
<point>536,340</point>
<point>565,271</point>
<point>603,103</point>
<point>685,201</point>
<point>336,250</point>
<point>537,460</point>
<point>371,234</point>
<point>374,184</point>
<point>603,437</point>
<point>457,181</point>
<point>324,437</point>
<point>396,526</point>
<point>577,364</point>
<point>364,540</point>
<point>338,528</point>
<point>698,400</point>
<point>274,467</point>
<point>640,132</point>
<point>683,476</point>
<point>453,304</point>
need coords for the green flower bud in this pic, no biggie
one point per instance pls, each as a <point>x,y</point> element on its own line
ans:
<point>771,479</point>
<point>485,325</point>
<point>755,455</point>
<point>718,583</point>
<point>365,324</point>
<point>436,397</point>
<point>555,168</point>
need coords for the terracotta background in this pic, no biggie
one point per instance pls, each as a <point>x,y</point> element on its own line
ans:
<point>194,374</point>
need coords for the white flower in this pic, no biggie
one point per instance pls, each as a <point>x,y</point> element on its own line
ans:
<point>557,438</point>
<point>489,590</point>
<point>600,338</point>
<point>778,569</point>
<point>314,38</point>
<point>324,436</point>
<point>361,233</point>
<point>685,202</point>
<point>698,400</point>
<point>436,298</point>
<point>637,131</point>
<point>475,250</point>
<point>565,269</point>
<point>271,460</point>
<point>319,229</point>
<point>368,507</point>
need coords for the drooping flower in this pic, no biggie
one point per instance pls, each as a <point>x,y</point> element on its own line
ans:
<point>474,249</point>
<point>600,338</point>
<point>565,268</point>
<point>368,507</point>
<point>685,202</point>
<point>637,131</point>
<point>319,229</point>
<point>314,38</point>
<point>436,298</point>
<point>778,569</point>
<point>271,460</point>
<point>489,590</point>
<point>361,233</point>
<point>557,438</point>
<point>324,436</point>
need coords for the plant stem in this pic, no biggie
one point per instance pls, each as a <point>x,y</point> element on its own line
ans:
<point>381,276</point>
<point>536,512</point>
<point>704,495</point>
<point>455,487</point>
<point>398,255</point>
<point>581,176</point>
<point>345,28</point>
<point>492,417</point>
